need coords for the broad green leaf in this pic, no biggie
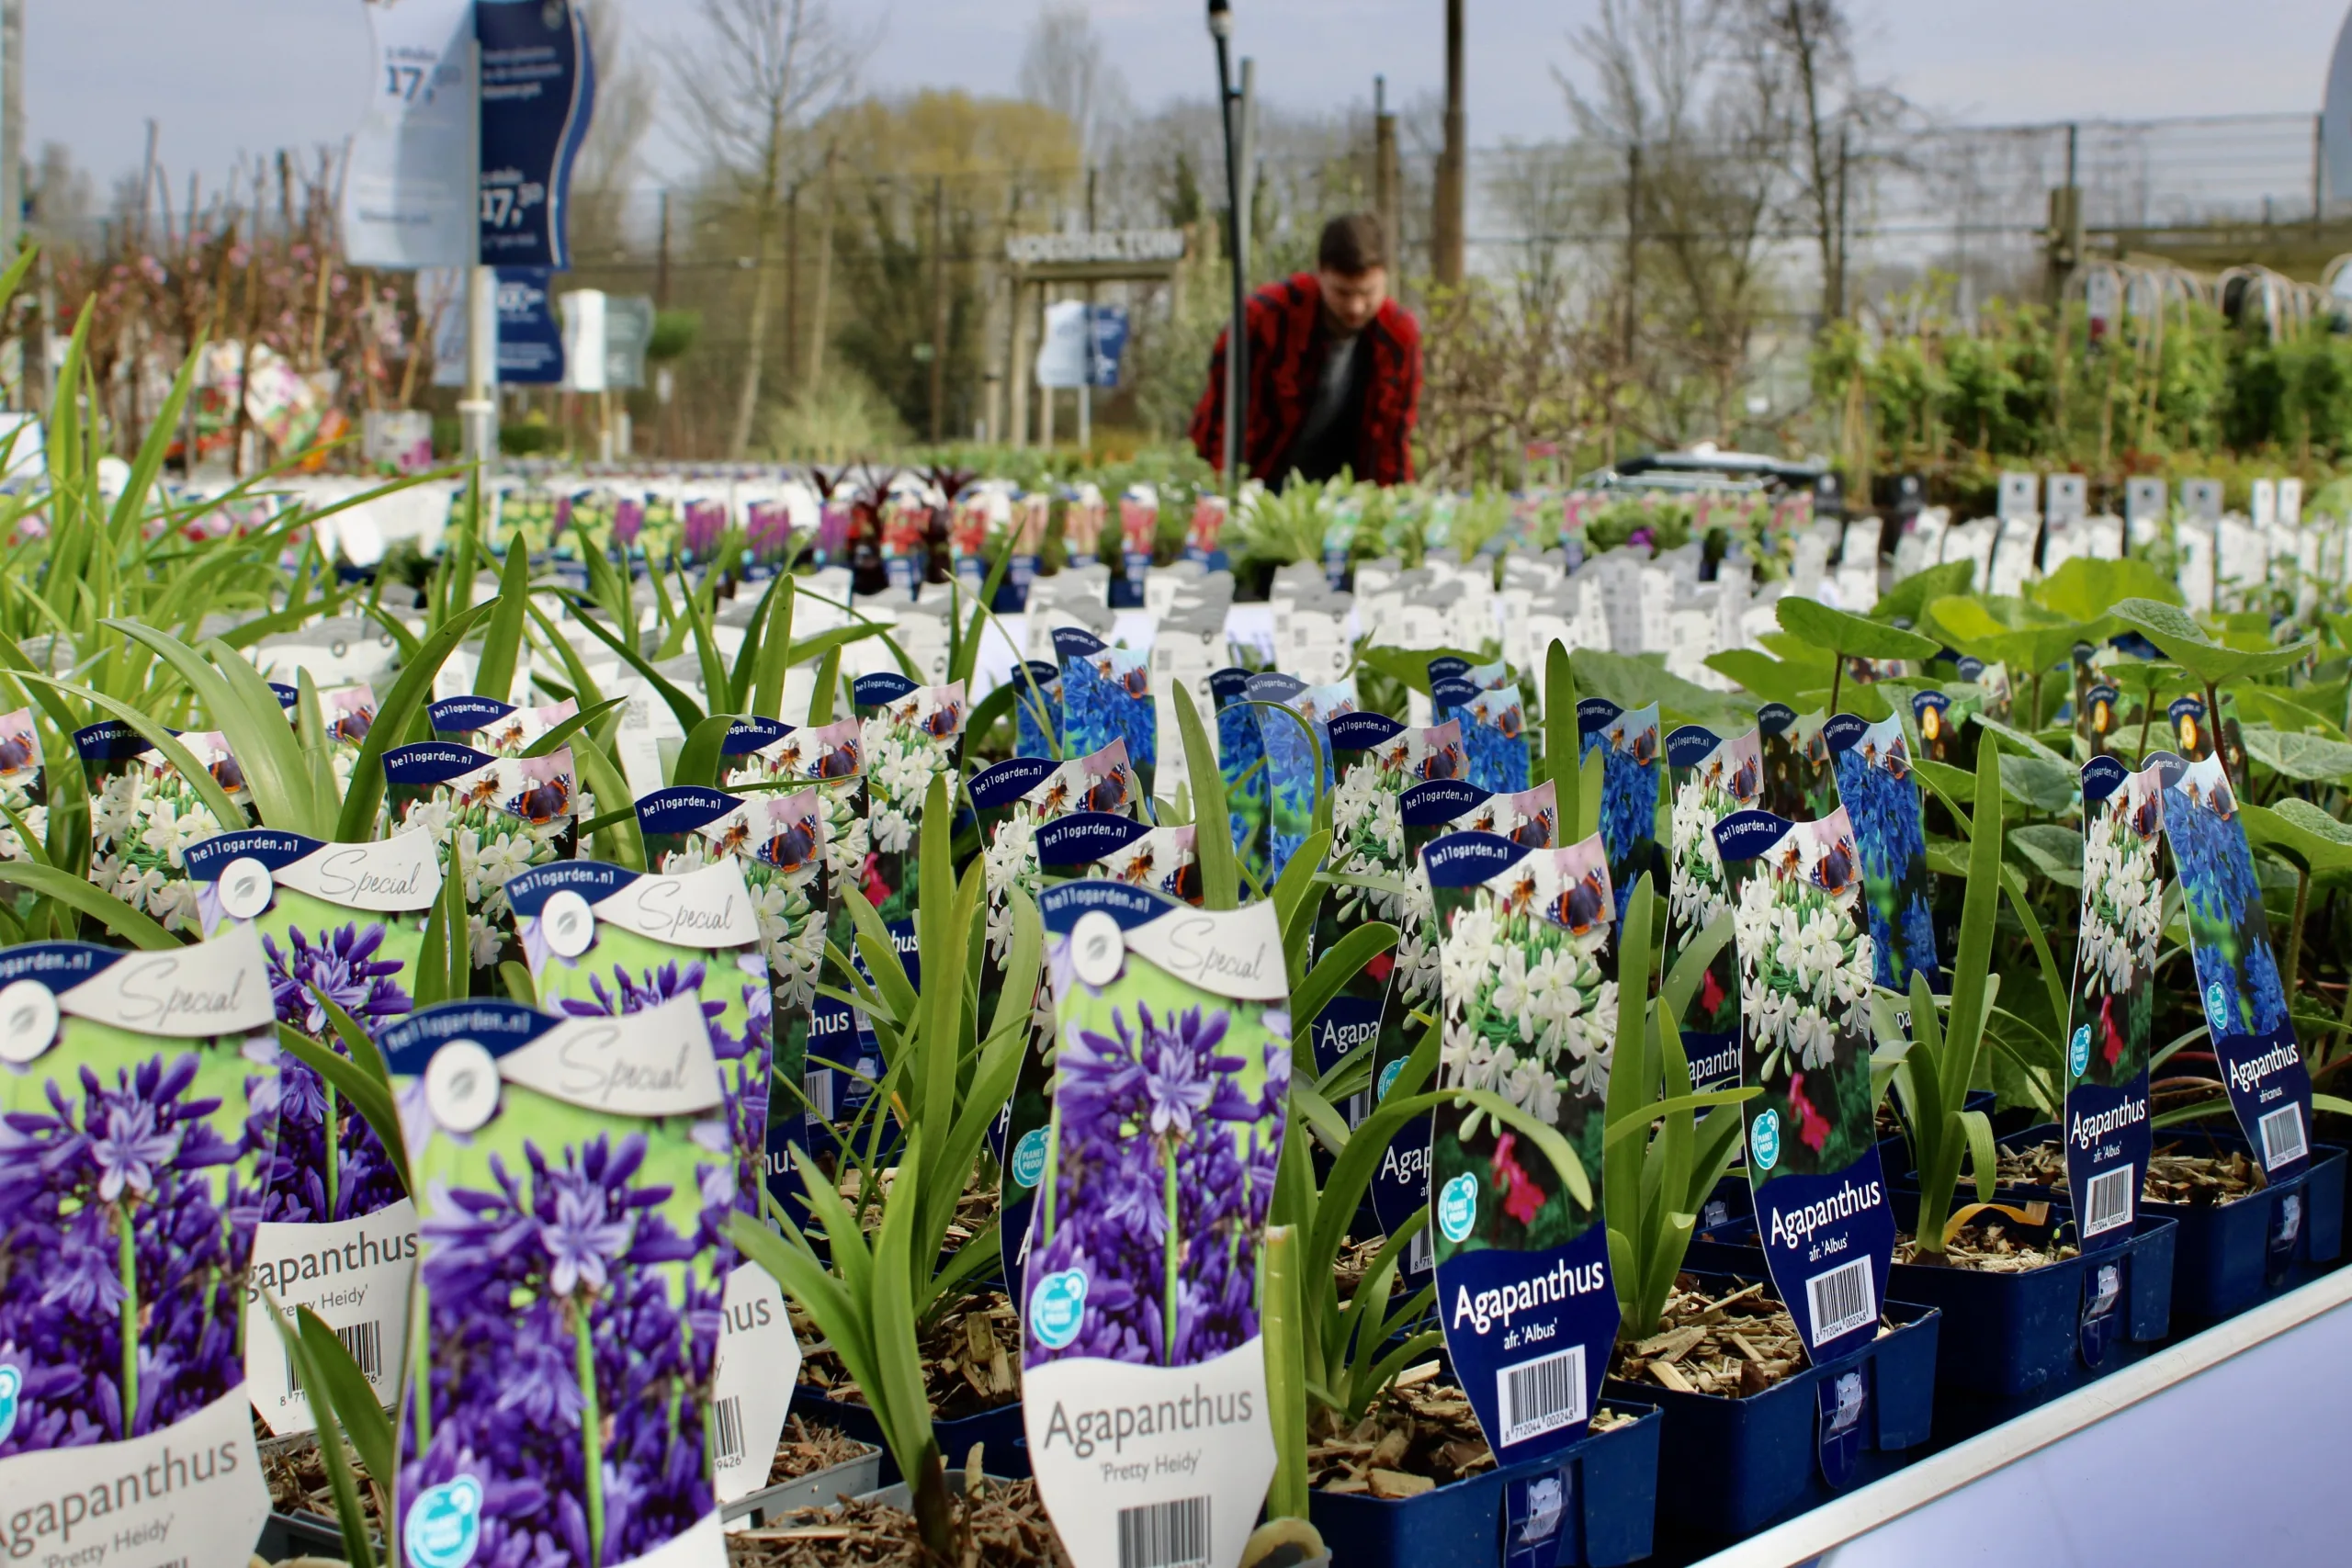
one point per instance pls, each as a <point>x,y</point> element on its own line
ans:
<point>1636,681</point>
<point>2054,851</point>
<point>1907,600</point>
<point>2310,759</point>
<point>2184,642</point>
<point>1848,636</point>
<point>2087,590</point>
<point>2300,833</point>
<point>2008,631</point>
<point>1773,680</point>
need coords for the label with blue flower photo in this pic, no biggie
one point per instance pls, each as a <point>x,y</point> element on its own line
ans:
<point>1530,1022</point>
<point>1631,754</point>
<point>1872,765</point>
<point>1298,742</point>
<point>493,816</point>
<point>2107,1137</point>
<point>1037,708</point>
<point>1711,778</point>
<point>1428,811</point>
<point>1240,763</point>
<point>1144,1385</point>
<point>1494,737</point>
<point>2238,978</point>
<point>340,923</point>
<point>576,1369</point>
<point>1805,970</point>
<point>1106,696</point>
<point>139,1092</point>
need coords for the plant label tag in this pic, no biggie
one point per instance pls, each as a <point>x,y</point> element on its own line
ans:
<point>2238,978</point>
<point>1842,1408</point>
<point>492,816</point>
<point>355,1274</point>
<point>1540,1517</point>
<point>1813,1161</point>
<point>759,1363</point>
<point>1240,758</point>
<point>1144,1385</point>
<point>1294,725</point>
<point>1628,743</point>
<point>2107,1137</point>
<point>1523,1293</point>
<point>1106,696</point>
<point>2102,1326</point>
<point>1799,782</point>
<point>1871,764</point>
<point>1710,777</point>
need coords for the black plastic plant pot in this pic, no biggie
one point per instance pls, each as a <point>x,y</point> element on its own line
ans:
<point>1730,1466</point>
<point>1007,1452</point>
<point>288,1536</point>
<point>1606,1489</point>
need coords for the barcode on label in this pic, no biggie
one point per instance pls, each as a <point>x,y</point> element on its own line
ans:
<point>1358,1107</point>
<point>1420,1255</point>
<point>819,1087</point>
<point>1842,1300</point>
<point>727,1429</point>
<point>1540,1396</point>
<point>365,1342</point>
<point>2282,1137</point>
<point>2108,1202</point>
<point>1165,1535</point>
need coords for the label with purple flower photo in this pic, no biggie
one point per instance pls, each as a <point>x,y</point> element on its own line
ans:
<point>1711,779</point>
<point>1144,1386</point>
<point>144,815</point>
<point>1799,782</point>
<point>1106,696</point>
<point>1628,743</point>
<point>603,942</point>
<point>339,923</point>
<point>24,792</point>
<point>575,1176</point>
<point>139,1092</point>
<point>2238,978</point>
<point>492,817</point>
<point>2107,1137</point>
<point>1805,970</point>
<point>1428,811</point>
<point>1529,1023</point>
<point>1872,766</point>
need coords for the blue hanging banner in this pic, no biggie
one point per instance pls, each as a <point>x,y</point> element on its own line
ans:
<point>530,340</point>
<point>538,89</point>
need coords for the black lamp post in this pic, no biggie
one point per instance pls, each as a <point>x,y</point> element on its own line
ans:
<point>1236,343</point>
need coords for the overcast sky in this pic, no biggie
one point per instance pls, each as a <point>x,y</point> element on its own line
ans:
<point>226,76</point>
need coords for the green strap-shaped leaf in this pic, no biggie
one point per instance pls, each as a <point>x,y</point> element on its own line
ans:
<point>121,919</point>
<point>358,1546</point>
<point>501,646</point>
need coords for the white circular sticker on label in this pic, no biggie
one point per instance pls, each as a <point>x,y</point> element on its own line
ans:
<point>244,887</point>
<point>28,1021</point>
<point>461,1085</point>
<point>1098,948</point>
<point>567,923</point>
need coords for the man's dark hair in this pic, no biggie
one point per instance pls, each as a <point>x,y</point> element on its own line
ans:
<point>1352,244</point>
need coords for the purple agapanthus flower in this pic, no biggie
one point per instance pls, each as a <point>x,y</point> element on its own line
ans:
<point>343,965</point>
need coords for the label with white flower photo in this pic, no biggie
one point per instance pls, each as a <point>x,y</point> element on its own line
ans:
<point>1106,696</point>
<point>1144,1375</point>
<point>2107,1137</point>
<point>24,790</point>
<point>842,1059</point>
<point>1240,763</point>
<point>1805,970</point>
<point>910,736</point>
<point>1871,764</point>
<point>1628,743</point>
<point>2237,977</point>
<point>340,923</point>
<point>1711,778</point>
<point>1530,1022</point>
<point>1428,811</point>
<point>1799,782</point>
<point>578,1368</point>
<point>144,815</point>
<point>140,1116</point>
<point>1297,744</point>
<point>498,728</point>
<point>492,817</point>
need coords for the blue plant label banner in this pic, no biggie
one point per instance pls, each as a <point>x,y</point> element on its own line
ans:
<point>2096,721</point>
<point>141,1093</point>
<point>2107,1137</point>
<point>1711,778</point>
<point>1239,758</point>
<point>338,1234</point>
<point>1872,766</point>
<point>1530,1020</point>
<point>1628,743</point>
<point>1106,696</point>
<point>1144,1386</point>
<point>1799,782</point>
<point>2238,978</point>
<point>1806,981</point>
<point>1430,812</point>
<point>2189,731</point>
<point>538,89</point>
<point>578,1368</point>
<point>1939,726</point>
<point>500,729</point>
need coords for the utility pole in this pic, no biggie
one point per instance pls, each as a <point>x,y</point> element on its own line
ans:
<point>817,315</point>
<point>1236,339</point>
<point>1086,387</point>
<point>1445,230</point>
<point>1837,269</point>
<point>1386,179</point>
<point>938,307</point>
<point>662,258</point>
<point>12,126</point>
<point>2064,236</point>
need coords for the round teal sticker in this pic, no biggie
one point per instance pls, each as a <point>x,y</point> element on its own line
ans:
<point>443,1525</point>
<point>1457,1207</point>
<point>1764,1140</point>
<point>1029,1157</point>
<point>1388,1076</point>
<point>2078,1053</point>
<point>2217,1008</point>
<point>12,1382</point>
<point>1057,1307</point>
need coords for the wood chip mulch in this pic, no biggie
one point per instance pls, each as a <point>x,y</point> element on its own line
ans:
<point>971,1360</point>
<point>296,1474</point>
<point>1731,1345</point>
<point>1989,1249</point>
<point>1004,1524</point>
<point>2172,1177</point>
<point>1421,1435</point>
<point>809,1446</point>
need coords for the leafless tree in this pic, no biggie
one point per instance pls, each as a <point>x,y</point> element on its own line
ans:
<point>611,157</point>
<point>746,91</point>
<point>1066,67</point>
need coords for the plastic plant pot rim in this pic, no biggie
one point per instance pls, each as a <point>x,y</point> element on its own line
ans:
<point>818,1488</point>
<point>1903,1317</point>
